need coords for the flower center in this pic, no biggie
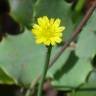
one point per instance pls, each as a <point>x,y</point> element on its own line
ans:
<point>48,32</point>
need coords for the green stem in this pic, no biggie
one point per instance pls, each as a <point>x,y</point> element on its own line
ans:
<point>80,5</point>
<point>34,10</point>
<point>73,92</point>
<point>48,54</point>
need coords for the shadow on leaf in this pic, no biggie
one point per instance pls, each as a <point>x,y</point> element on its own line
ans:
<point>67,66</point>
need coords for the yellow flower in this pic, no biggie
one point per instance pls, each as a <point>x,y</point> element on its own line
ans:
<point>48,31</point>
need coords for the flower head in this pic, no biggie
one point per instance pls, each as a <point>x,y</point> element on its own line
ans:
<point>48,31</point>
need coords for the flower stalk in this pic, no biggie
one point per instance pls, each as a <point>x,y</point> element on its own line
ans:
<point>48,55</point>
<point>48,32</point>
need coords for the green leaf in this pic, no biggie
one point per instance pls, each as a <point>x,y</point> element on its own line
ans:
<point>86,93</point>
<point>86,45</point>
<point>21,11</point>
<point>71,74</point>
<point>5,78</point>
<point>21,57</point>
<point>88,89</point>
<point>92,76</point>
<point>60,62</point>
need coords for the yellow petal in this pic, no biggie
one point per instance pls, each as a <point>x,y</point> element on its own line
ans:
<point>47,42</point>
<point>35,26</point>
<point>40,21</point>
<point>51,21</point>
<point>57,22</point>
<point>61,29</point>
<point>58,40</point>
<point>53,42</point>
<point>45,18</point>
<point>38,41</point>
